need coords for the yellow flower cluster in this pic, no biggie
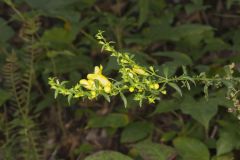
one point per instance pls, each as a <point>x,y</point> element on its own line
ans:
<point>89,83</point>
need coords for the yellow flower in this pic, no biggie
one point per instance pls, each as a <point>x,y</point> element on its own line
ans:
<point>131,89</point>
<point>107,89</point>
<point>139,70</point>
<point>156,86</point>
<point>103,81</point>
<point>98,70</point>
<point>93,93</point>
<point>89,84</point>
<point>164,92</point>
<point>101,78</point>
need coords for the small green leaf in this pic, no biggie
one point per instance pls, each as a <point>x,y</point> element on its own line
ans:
<point>175,86</point>
<point>69,98</point>
<point>106,97</point>
<point>123,99</point>
<point>108,155</point>
<point>55,94</point>
<point>191,149</point>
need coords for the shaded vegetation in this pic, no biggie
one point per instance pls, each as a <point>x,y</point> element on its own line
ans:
<point>56,38</point>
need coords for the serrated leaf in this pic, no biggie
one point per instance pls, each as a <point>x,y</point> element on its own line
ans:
<point>191,149</point>
<point>108,155</point>
<point>175,86</point>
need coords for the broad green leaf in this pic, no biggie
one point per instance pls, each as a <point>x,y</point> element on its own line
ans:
<point>229,156</point>
<point>4,96</point>
<point>57,37</point>
<point>154,151</point>
<point>229,136</point>
<point>166,106</point>
<point>191,149</point>
<point>143,6</point>
<point>6,31</point>
<point>136,131</point>
<point>202,110</point>
<point>114,120</point>
<point>108,155</point>
<point>178,57</point>
<point>188,30</point>
<point>226,142</point>
<point>74,62</point>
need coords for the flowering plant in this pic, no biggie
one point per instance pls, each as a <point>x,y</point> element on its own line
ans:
<point>145,83</point>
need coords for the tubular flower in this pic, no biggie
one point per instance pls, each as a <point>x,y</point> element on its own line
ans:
<point>138,70</point>
<point>97,75</point>
<point>89,84</point>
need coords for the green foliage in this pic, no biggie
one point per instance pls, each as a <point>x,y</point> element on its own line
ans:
<point>114,120</point>
<point>154,151</point>
<point>178,59</point>
<point>190,148</point>
<point>108,155</point>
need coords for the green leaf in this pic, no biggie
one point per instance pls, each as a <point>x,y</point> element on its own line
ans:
<point>202,110</point>
<point>6,31</point>
<point>107,97</point>
<point>123,99</point>
<point>4,96</point>
<point>154,151</point>
<point>57,37</point>
<point>108,155</point>
<point>190,30</point>
<point>166,106</point>
<point>229,156</point>
<point>191,149</point>
<point>136,131</point>
<point>178,57</point>
<point>114,120</point>
<point>229,136</point>
<point>175,86</point>
<point>143,11</point>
